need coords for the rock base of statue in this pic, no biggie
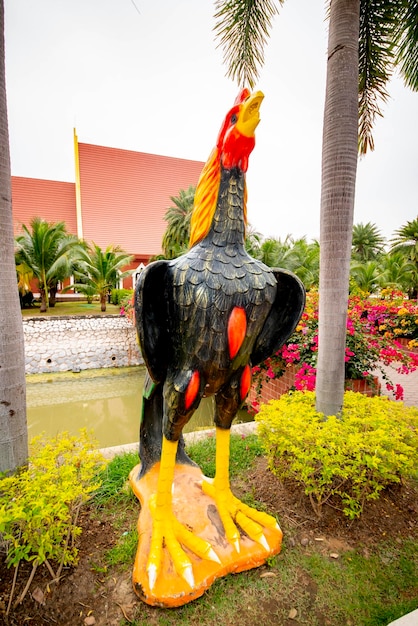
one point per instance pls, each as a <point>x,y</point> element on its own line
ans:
<point>199,514</point>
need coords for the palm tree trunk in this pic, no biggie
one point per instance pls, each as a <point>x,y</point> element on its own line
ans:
<point>13,428</point>
<point>339,168</point>
<point>44,300</point>
<point>52,296</point>
<point>103,301</point>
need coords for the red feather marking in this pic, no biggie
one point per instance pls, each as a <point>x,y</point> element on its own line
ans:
<point>237,327</point>
<point>245,382</point>
<point>192,389</point>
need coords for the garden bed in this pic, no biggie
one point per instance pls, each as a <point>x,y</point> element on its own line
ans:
<point>96,593</point>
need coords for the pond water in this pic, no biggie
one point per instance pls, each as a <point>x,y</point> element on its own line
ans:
<point>106,401</point>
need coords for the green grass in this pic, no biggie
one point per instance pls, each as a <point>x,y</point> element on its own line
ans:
<point>123,553</point>
<point>350,591</point>
<point>243,451</point>
<point>353,590</point>
<point>116,498</point>
<point>72,308</point>
<point>370,591</point>
<point>114,478</point>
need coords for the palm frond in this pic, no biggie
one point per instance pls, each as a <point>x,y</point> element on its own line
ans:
<point>406,38</point>
<point>242,28</point>
<point>378,22</point>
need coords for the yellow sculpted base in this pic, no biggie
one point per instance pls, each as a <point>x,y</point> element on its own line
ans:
<point>197,511</point>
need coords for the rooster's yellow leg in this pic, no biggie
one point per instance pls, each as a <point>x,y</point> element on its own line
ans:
<point>231,509</point>
<point>167,531</point>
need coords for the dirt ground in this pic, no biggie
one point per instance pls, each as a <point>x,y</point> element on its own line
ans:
<point>87,595</point>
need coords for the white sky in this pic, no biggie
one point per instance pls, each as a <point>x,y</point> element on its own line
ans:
<point>145,75</point>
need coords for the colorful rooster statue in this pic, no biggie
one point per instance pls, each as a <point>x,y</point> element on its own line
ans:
<point>204,320</point>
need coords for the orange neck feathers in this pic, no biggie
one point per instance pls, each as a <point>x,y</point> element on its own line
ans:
<point>206,197</point>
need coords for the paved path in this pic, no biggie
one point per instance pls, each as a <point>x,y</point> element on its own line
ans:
<point>409,383</point>
<point>411,619</point>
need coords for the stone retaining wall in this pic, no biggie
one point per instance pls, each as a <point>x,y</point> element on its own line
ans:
<point>60,344</point>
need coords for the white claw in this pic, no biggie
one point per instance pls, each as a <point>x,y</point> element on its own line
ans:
<point>212,556</point>
<point>277,526</point>
<point>152,576</point>
<point>188,576</point>
<point>263,542</point>
<point>236,546</point>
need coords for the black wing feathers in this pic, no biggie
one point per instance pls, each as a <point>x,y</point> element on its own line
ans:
<point>152,323</point>
<point>283,318</point>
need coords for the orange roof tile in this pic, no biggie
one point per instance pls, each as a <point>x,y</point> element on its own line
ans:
<point>52,200</point>
<point>125,195</point>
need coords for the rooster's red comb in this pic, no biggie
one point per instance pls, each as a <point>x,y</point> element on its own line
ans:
<point>243,95</point>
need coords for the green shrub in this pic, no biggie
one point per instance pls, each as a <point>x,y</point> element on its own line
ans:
<point>40,504</point>
<point>349,460</point>
<point>118,295</point>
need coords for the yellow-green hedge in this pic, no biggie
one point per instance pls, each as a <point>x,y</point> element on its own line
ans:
<point>39,505</point>
<point>347,460</point>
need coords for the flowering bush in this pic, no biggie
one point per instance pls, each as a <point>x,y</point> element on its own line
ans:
<point>127,307</point>
<point>395,319</point>
<point>373,330</point>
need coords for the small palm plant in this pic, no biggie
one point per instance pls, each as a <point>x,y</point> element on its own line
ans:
<point>406,241</point>
<point>48,251</point>
<point>368,242</point>
<point>99,270</point>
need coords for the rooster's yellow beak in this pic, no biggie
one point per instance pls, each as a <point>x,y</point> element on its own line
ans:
<point>249,115</point>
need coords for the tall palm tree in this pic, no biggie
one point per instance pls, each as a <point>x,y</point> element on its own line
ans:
<point>48,250</point>
<point>13,427</point>
<point>362,34</point>
<point>176,237</point>
<point>367,242</point>
<point>366,39</point>
<point>101,270</point>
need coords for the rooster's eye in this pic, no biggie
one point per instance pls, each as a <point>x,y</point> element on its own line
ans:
<point>233,119</point>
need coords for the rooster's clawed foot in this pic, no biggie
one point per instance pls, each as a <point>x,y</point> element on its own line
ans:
<point>169,533</point>
<point>233,512</point>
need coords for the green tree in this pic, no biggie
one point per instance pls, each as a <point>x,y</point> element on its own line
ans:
<point>405,241</point>
<point>176,237</point>
<point>366,276</point>
<point>101,270</point>
<point>368,242</point>
<point>366,39</point>
<point>275,252</point>
<point>305,258</point>
<point>271,252</point>
<point>253,240</point>
<point>48,250</point>
<point>398,273</point>
<point>24,277</point>
<point>13,427</point>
